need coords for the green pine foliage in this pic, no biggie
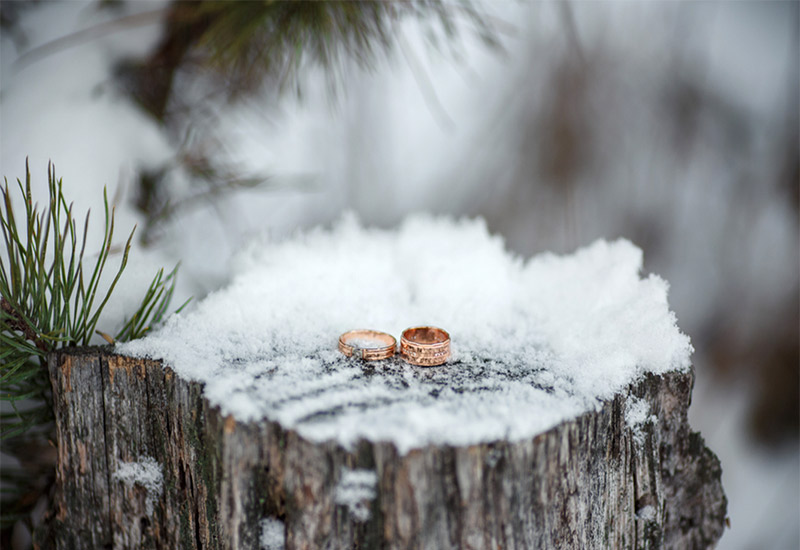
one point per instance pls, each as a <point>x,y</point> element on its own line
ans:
<point>268,41</point>
<point>52,293</point>
<point>259,42</point>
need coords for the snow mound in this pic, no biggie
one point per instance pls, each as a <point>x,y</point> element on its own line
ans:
<point>533,342</point>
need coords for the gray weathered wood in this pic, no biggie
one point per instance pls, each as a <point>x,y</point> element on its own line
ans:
<point>587,483</point>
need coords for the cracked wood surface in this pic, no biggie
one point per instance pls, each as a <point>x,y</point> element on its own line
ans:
<point>586,483</point>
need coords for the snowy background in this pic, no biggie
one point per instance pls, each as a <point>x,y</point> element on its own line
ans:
<point>674,125</point>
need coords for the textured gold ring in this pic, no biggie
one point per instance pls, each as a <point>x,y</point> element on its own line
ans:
<point>425,346</point>
<point>371,345</point>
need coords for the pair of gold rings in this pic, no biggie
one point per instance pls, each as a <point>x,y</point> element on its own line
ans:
<point>423,346</point>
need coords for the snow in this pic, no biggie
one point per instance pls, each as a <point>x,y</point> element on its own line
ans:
<point>647,513</point>
<point>146,472</point>
<point>533,342</point>
<point>272,534</point>
<point>637,414</point>
<point>355,489</point>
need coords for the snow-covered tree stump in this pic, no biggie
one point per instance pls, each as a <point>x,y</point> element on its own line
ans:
<point>610,478</point>
<point>560,421</point>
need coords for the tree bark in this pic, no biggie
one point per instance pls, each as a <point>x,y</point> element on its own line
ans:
<point>591,482</point>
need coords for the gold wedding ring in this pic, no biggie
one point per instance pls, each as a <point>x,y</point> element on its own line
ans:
<point>371,345</point>
<point>425,346</point>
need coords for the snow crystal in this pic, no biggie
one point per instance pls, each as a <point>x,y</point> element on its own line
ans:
<point>533,342</point>
<point>355,490</point>
<point>146,473</point>
<point>272,534</point>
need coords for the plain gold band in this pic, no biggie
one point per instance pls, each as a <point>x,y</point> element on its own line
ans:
<point>368,354</point>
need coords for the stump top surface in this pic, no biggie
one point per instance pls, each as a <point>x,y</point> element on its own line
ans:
<point>534,342</point>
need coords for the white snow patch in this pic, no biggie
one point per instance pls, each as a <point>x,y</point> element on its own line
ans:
<point>647,513</point>
<point>533,342</point>
<point>273,534</point>
<point>637,414</point>
<point>146,472</point>
<point>355,490</point>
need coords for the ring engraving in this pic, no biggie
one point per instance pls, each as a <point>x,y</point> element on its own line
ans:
<point>425,346</point>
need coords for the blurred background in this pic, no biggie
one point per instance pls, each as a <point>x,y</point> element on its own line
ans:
<point>672,124</point>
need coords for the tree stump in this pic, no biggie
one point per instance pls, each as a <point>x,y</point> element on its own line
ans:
<point>145,462</point>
